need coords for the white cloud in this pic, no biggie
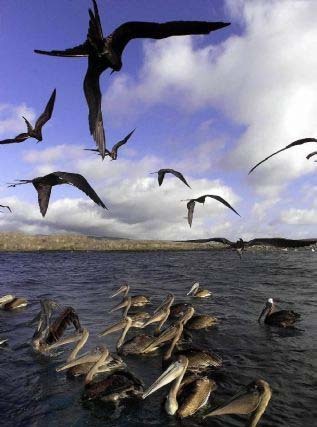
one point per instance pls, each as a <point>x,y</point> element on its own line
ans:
<point>11,121</point>
<point>299,216</point>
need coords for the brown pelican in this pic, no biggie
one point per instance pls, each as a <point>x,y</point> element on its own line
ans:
<point>283,318</point>
<point>105,52</point>
<point>199,293</point>
<point>193,394</point>
<point>114,151</point>
<point>253,400</point>
<point>311,155</point>
<point>136,300</point>
<point>10,302</point>
<point>191,205</point>
<point>35,132</point>
<point>6,207</point>
<point>292,144</point>
<point>120,385</point>
<point>201,321</point>
<point>161,314</point>
<point>161,173</point>
<point>178,310</point>
<point>199,360</point>
<point>44,184</point>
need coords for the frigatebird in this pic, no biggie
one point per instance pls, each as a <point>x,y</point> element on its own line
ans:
<point>7,207</point>
<point>201,199</point>
<point>114,152</point>
<point>106,52</point>
<point>44,184</point>
<point>35,132</point>
<point>161,173</point>
<point>292,144</point>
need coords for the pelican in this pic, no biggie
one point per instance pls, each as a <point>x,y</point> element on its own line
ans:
<point>193,394</point>
<point>283,318</point>
<point>253,400</point>
<point>161,314</point>
<point>201,321</point>
<point>178,310</point>
<point>136,300</point>
<point>199,293</point>
<point>10,302</point>
<point>120,385</point>
<point>199,360</point>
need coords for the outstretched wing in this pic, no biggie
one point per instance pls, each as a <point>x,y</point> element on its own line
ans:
<point>20,138</point>
<point>7,207</point>
<point>73,52</point>
<point>178,175</point>
<point>293,144</point>
<point>47,113</point>
<point>95,34</point>
<point>153,30</point>
<point>190,208</point>
<point>122,142</point>
<point>82,184</point>
<point>311,155</point>
<point>212,239</point>
<point>93,97</point>
<point>282,243</point>
<point>223,201</point>
<point>44,194</point>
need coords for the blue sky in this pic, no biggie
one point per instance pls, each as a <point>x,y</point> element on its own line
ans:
<point>210,106</point>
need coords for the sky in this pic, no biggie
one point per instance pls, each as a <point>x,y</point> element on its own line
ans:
<point>210,106</point>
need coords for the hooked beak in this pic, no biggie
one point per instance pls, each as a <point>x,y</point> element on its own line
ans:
<point>193,288</point>
<point>122,288</point>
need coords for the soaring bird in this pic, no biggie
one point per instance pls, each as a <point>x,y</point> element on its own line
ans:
<point>114,152</point>
<point>292,144</point>
<point>44,184</point>
<point>191,205</point>
<point>6,207</point>
<point>161,173</point>
<point>282,318</point>
<point>35,132</point>
<point>106,52</point>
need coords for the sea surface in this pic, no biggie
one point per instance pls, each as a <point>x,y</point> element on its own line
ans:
<point>32,393</point>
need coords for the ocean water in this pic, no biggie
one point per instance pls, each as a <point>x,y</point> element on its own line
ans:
<point>32,393</point>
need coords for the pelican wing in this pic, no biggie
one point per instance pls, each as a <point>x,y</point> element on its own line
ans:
<point>73,52</point>
<point>7,207</point>
<point>311,155</point>
<point>244,404</point>
<point>93,98</point>
<point>47,113</point>
<point>223,201</point>
<point>44,194</point>
<point>282,243</point>
<point>82,184</point>
<point>190,214</point>
<point>122,142</point>
<point>162,172</point>
<point>153,30</point>
<point>19,138</point>
<point>293,144</point>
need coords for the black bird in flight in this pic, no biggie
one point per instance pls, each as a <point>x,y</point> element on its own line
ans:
<point>201,199</point>
<point>274,241</point>
<point>114,152</point>
<point>106,52</point>
<point>35,132</point>
<point>44,184</point>
<point>7,207</point>
<point>293,144</point>
<point>311,155</point>
<point>161,173</point>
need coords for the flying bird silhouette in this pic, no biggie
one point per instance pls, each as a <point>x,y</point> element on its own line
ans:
<point>44,184</point>
<point>35,132</point>
<point>7,207</point>
<point>161,173</point>
<point>292,144</point>
<point>201,199</point>
<point>105,52</point>
<point>311,155</point>
<point>272,241</point>
<point>114,152</point>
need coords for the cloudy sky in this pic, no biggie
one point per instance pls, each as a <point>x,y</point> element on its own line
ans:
<point>209,106</point>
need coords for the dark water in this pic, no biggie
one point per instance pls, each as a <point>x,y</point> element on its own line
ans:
<point>33,394</point>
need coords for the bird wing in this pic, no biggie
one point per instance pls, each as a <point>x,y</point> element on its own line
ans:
<point>95,34</point>
<point>44,194</point>
<point>19,138</point>
<point>190,207</point>
<point>93,98</point>
<point>82,184</point>
<point>47,113</point>
<point>73,52</point>
<point>8,207</point>
<point>134,30</point>
<point>122,142</point>
<point>223,201</point>
<point>282,243</point>
<point>178,175</point>
<point>293,144</point>
<point>311,155</point>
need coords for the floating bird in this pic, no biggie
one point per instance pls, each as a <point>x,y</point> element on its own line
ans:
<point>161,173</point>
<point>6,207</point>
<point>293,144</point>
<point>105,52</point>
<point>35,132</point>
<point>253,400</point>
<point>201,199</point>
<point>114,152</point>
<point>193,393</point>
<point>199,360</point>
<point>311,155</point>
<point>44,184</point>
<point>199,293</point>
<point>283,318</point>
<point>161,314</point>
<point>136,300</point>
<point>178,310</point>
<point>201,321</point>
<point>10,302</point>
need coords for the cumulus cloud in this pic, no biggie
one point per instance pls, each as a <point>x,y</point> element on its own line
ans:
<point>11,121</point>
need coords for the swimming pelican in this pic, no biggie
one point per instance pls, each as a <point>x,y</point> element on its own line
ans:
<point>253,400</point>
<point>199,293</point>
<point>136,300</point>
<point>120,385</point>
<point>193,394</point>
<point>178,310</point>
<point>161,314</point>
<point>10,302</point>
<point>283,318</point>
<point>199,360</point>
<point>201,321</point>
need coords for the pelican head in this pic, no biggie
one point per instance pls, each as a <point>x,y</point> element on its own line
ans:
<point>5,299</point>
<point>123,289</point>
<point>125,303</point>
<point>187,315</point>
<point>193,289</point>
<point>267,309</point>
